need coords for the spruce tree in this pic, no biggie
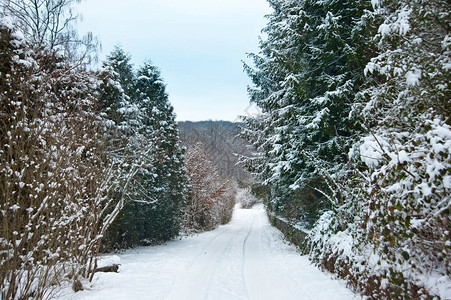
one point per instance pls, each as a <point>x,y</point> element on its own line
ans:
<point>116,87</point>
<point>306,78</point>
<point>124,146</point>
<point>145,140</point>
<point>168,181</point>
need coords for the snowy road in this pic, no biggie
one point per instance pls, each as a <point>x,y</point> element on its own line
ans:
<point>246,259</point>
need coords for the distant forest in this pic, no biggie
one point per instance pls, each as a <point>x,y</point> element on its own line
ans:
<point>222,144</point>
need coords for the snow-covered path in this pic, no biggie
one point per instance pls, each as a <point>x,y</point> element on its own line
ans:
<point>246,259</point>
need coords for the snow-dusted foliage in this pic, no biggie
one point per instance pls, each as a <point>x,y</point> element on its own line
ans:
<point>305,79</point>
<point>77,147</point>
<point>143,136</point>
<point>355,100</point>
<point>397,244</point>
<point>212,197</point>
<point>54,180</point>
<point>246,199</point>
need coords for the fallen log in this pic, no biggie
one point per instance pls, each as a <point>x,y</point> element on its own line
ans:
<point>113,268</point>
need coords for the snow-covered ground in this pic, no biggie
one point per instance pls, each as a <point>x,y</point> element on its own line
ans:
<point>246,259</point>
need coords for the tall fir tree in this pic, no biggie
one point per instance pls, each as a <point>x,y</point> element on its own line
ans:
<point>145,137</point>
<point>169,180</point>
<point>306,78</point>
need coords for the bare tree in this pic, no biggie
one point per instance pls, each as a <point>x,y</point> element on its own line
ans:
<point>212,196</point>
<point>50,24</point>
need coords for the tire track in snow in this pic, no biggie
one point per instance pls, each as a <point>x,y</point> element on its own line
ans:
<point>195,283</point>
<point>255,273</point>
<point>221,259</point>
<point>204,248</point>
<point>244,256</point>
<point>246,259</point>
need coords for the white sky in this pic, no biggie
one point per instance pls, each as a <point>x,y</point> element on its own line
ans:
<point>197,44</point>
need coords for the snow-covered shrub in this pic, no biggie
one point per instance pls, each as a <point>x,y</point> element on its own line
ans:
<point>408,151</point>
<point>397,244</point>
<point>45,159</point>
<point>224,207</point>
<point>246,198</point>
<point>55,179</point>
<point>49,24</point>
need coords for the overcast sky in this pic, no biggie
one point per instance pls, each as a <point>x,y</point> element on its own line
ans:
<point>197,44</point>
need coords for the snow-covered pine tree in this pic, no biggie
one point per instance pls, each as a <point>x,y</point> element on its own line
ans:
<point>116,75</point>
<point>167,183</point>
<point>124,147</point>
<point>306,78</point>
<point>145,140</point>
